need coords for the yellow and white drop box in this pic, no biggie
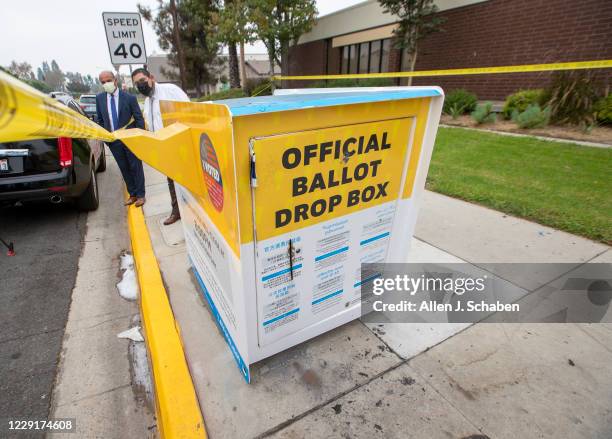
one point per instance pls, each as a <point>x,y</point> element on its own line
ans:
<point>283,198</point>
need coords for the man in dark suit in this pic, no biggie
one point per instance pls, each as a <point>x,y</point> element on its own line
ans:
<point>118,109</point>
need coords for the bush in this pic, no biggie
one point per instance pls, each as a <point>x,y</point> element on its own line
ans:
<point>252,83</point>
<point>520,100</point>
<point>231,93</point>
<point>263,89</point>
<point>603,110</point>
<point>367,82</point>
<point>459,102</point>
<point>456,110</point>
<point>484,114</point>
<point>39,85</point>
<point>571,98</point>
<point>532,117</point>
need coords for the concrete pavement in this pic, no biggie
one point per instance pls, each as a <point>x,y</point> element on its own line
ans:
<point>408,380</point>
<point>94,383</point>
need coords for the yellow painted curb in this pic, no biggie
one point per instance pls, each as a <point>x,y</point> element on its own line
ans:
<point>176,403</point>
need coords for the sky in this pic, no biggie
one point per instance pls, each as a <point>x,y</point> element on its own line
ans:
<point>72,31</point>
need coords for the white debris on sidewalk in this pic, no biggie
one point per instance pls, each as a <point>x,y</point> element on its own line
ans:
<point>128,287</point>
<point>127,261</point>
<point>132,333</point>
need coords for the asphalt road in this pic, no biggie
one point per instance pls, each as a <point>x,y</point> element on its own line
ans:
<point>35,294</point>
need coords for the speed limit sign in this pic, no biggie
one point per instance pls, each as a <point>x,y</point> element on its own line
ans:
<point>124,37</point>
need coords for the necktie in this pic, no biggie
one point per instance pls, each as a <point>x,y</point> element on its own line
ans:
<point>114,117</point>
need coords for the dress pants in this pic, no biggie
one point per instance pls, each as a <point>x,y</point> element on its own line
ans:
<point>130,167</point>
<point>174,202</point>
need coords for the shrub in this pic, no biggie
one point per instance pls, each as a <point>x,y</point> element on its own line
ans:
<point>603,110</point>
<point>532,117</point>
<point>571,98</point>
<point>459,101</point>
<point>252,83</point>
<point>520,100</point>
<point>367,82</point>
<point>39,85</point>
<point>231,93</point>
<point>484,113</point>
<point>263,89</point>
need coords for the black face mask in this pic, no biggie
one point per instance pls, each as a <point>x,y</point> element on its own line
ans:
<point>144,88</point>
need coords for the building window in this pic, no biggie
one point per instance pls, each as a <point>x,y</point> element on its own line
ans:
<point>372,57</point>
<point>384,59</point>
<point>364,57</point>
<point>345,59</point>
<point>375,56</point>
<point>353,59</point>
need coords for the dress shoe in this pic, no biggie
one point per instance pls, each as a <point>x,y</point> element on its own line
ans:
<point>174,217</point>
<point>130,200</point>
<point>140,201</point>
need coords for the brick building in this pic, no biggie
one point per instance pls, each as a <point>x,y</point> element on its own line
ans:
<point>475,33</point>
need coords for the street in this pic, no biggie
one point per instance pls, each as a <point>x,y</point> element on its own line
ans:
<point>35,295</point>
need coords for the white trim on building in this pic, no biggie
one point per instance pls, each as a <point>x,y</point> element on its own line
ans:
<point>363,16</point>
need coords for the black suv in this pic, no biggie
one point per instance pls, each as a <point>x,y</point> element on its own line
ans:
<point>58,170</point>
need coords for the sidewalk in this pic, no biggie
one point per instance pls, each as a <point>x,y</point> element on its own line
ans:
<point>408,380</point>
<point>94,384</point>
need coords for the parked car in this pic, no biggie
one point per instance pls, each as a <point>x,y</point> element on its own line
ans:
<point>88,104</point>
<point>60,95</point>
<point>58,170</point>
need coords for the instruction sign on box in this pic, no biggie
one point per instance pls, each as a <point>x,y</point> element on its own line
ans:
<point>283,198</point>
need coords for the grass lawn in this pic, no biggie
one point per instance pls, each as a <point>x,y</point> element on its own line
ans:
<point>562,185</point>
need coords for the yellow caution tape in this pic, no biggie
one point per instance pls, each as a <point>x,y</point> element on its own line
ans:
<point>26,114</point>
<point>579,65</point>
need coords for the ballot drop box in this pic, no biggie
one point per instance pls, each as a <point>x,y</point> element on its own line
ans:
<point>283,197</point>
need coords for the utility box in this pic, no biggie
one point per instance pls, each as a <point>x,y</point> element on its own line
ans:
<point>283,197</point>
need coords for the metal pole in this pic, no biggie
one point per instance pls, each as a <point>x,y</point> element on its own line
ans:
<point>118,76</point>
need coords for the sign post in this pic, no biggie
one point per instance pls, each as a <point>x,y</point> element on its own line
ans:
<point>124,37</point>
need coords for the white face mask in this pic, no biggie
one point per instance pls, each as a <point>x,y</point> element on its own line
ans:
<point>109,87</point>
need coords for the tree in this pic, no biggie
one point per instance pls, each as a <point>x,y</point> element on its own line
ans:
<point>418,19</point>
<point>40,86</point>
<point>192,40</point>
<point>234,75</point>
<point>176,40</point>
<point>76,83</point>
<point>227,36</point>
<point>234,27</point>
<point>40,75</point>
<point>279,24</point>
<point>54,77</point>
<point>21,70</point>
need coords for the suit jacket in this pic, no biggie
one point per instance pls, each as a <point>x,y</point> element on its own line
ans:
<point>128,110</point>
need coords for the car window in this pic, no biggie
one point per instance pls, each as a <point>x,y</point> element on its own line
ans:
<point>88,100</point>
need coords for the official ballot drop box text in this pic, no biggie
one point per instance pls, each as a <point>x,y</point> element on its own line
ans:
<point>283,198</point>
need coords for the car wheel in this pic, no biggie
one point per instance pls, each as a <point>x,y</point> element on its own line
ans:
<point>102,161</point>
<point>89,199</point>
